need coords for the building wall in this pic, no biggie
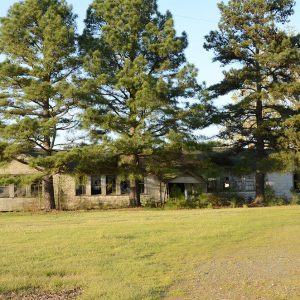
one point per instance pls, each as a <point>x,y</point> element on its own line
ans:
<point>13,203</point>
<point>155,189</point>
<point>21,204</point>
<point>98,201</point>
<point>65,187</point>
<point>65,192</point>
<point>282,184</point>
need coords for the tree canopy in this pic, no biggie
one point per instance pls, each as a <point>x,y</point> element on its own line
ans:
<point>38,41</point>
<point>263,75</point>
<point>127,83</point>
<point>136,80</point>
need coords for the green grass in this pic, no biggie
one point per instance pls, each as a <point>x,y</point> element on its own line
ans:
<point>134,254</point>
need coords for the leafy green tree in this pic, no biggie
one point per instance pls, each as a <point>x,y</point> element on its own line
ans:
<point>262,70</point>
<point>137,80</point>
<point>38,41</point>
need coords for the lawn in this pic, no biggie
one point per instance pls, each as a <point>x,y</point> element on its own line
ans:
<point>136,254</point>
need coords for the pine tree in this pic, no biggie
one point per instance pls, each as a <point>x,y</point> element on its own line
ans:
<point>264,76</point>
<point>38,41</point>
<point>136,75</point>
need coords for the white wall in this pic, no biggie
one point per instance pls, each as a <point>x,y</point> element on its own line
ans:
<point>282,183</point>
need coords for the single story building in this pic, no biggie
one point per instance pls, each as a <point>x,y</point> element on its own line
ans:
<point>111,191</point>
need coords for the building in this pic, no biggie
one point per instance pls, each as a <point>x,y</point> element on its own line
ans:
<point>88,192</point>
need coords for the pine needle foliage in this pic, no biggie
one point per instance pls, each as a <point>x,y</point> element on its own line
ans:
<point>38,42</point>
<point>261,69</point>
<point>137,83</point>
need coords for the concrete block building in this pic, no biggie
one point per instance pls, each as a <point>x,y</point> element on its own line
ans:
<point>107,190</point>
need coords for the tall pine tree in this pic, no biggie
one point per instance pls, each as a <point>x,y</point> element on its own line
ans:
<point>137,79</point>
<point>38,41</point>
<point>264,76</point>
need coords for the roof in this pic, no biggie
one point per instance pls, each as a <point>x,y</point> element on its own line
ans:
<point>197,178</point>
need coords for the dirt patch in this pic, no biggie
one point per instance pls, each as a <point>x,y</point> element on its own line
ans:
<point>41,295</point>
<point>267,274</point>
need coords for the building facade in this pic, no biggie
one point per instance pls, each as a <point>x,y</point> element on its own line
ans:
<point>110,191</point>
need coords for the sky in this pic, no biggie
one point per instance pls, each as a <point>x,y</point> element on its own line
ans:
<point>196,17</point>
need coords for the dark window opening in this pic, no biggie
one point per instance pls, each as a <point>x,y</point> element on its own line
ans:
<point>36,189</point>
<point>249,185</point>
<point>212,185</point>
<point>110,184</point>
<point>125,187</point>
<point>4,192</point>
<point>20,191</point>
<point>96,185</point>
<point>80,186</point>
<point>176,190</point>
<point>142,187</point>
<point>226,184</point>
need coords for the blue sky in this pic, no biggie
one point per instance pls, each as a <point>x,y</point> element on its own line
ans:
<point>195,17</point>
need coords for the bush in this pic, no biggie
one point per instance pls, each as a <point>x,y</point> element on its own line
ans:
<point>226,200</point>
<point>178,202</point>
<point>150,203</point>
<point>237,201</point>
<point>271,199</point>
<point>206,201</point>
<point>295,199</point>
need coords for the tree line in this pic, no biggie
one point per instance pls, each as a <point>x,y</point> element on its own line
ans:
<point>124,86</point>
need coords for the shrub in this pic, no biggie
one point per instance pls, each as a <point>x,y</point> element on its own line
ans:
<point>295,199</point>
<point>271,199</point>
<point>206,201</point>
<point>178,202</point>
<point>150,202</point>
<point>226,200</point>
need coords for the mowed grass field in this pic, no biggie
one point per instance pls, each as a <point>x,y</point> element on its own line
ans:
<point>136,254</point>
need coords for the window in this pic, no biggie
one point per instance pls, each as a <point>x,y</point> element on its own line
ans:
<point>4,192</point>
<point>96,185</point>
<point>237,185</point>
<point>110,184</point>
<point>36,189</point>
<point>226,184</point>
<point>212,185</point>
<point>20,191</point>
<point>80,186</point>
<point>249,185</point>
<point>125,187</point>
<point>142,186</point>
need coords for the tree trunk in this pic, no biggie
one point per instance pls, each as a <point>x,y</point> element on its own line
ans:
<point>260,155</point>
<point>134,195</point>
<point>49,192</point>
<point>259,187</point>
